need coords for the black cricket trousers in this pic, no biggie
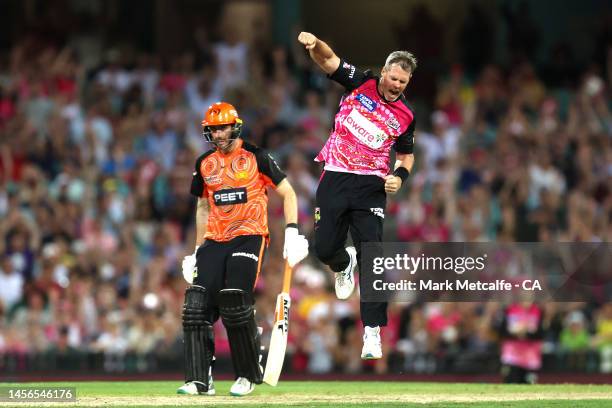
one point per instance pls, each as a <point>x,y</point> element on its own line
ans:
<point>356,203</point>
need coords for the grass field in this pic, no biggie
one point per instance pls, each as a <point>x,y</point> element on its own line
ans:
<point>336,393</point>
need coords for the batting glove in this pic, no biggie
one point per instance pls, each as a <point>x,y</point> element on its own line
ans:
<point>188,266</point>
<point>296,246</point>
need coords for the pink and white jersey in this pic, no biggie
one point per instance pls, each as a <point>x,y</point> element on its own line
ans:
<point>522,352</point>
<point>366,126</point>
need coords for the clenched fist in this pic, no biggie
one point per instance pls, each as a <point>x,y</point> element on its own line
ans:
<point>309,40</point>
<point>392,184</point>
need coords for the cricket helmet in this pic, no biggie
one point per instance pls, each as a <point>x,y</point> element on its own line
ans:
<point>218,114</point>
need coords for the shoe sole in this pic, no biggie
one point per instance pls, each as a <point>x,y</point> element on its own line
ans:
<point>233,394</point>
<point>210,392</point>
<point>203,393</point>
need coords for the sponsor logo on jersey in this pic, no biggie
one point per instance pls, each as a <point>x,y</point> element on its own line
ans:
<point>378,212</point>
<point>393,123</point>
<point>212,180</point>
<point>364,130</point>
<point>230,196</point>
<point>346,65</point>
<point>246,255</point>
<point>367,103</point>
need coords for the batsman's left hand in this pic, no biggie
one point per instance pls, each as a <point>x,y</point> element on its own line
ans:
<point>392,184</point>
<point>296,246</point>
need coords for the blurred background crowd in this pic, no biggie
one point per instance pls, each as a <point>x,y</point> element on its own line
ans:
<point>99,136</point>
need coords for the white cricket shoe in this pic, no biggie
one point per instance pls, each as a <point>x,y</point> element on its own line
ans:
<point>345,280</point>
<point>242,387</point>
<point>372,349</point>
<point>191,388</point>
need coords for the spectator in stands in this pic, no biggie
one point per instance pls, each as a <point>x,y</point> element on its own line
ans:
<point>603,338</point>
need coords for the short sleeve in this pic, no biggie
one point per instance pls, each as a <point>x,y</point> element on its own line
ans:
<point>197,182</point>
<point>268,167</point>
<point>404,144</point>
<point>349,76</point>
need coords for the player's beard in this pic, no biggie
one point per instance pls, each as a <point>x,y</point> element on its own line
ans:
<point>226,145</point>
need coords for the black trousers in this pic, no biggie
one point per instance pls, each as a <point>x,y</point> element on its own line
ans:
<point>356,203</point>
<point>233,264</point>
<point>518,375</point>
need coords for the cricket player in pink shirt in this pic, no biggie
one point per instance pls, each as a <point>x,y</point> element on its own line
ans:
<point>373,117</point>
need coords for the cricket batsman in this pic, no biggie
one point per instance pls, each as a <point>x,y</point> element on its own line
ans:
<point>373,117</point>
<point>230,184</point>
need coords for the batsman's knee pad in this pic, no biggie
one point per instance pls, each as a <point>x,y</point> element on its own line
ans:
<point>238,315</point>
<point>199,338</point>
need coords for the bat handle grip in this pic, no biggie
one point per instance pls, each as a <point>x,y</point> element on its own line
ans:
<point>287,278</point>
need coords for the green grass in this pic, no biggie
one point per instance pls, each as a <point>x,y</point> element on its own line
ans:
<point>336,393</point>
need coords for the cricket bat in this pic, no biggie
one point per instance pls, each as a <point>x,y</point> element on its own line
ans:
<point>280,330</point>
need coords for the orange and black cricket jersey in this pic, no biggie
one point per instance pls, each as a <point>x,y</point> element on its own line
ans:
<point>235,186</point>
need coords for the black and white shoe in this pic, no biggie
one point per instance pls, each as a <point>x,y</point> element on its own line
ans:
<point>197,388</point>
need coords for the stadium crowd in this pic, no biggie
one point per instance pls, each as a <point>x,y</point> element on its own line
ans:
<point>96,215</point>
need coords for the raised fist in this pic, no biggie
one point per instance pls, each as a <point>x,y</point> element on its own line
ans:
<point>309,40</point>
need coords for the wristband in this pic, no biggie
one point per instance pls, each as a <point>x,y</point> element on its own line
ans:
<point>292,225</point>
<point>402,173</point>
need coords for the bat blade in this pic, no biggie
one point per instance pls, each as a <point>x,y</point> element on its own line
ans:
<point>278,341</point>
